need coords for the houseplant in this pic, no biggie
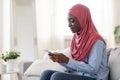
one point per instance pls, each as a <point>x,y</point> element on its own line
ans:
<point>117,34</point>
<point>10,55</point>
<point>11,58</point>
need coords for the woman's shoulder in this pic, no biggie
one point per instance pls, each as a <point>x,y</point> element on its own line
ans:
<point>100,42</point>
<point>99,46</point>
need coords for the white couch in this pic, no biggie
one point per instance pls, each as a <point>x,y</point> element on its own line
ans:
<point>32,70</point>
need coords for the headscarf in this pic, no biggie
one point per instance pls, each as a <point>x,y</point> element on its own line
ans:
<point>83,42</point>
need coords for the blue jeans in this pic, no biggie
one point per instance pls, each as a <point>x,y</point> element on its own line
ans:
<point>55,75</point>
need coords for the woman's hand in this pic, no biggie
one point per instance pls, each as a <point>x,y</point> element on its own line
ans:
<point>58,57</point>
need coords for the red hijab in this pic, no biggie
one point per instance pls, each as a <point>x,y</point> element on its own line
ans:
<point>82,44</point>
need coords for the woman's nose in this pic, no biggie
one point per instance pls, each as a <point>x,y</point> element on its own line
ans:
<point>69,25</point>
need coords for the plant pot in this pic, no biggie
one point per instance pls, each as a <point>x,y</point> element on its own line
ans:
<point>2,68</point>
<point>12,65</point>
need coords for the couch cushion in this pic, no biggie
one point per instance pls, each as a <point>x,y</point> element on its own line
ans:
<point>114,63</point>
<point>31,78</point>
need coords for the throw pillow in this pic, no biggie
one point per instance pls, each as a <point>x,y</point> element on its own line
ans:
<point>38,66</point>
<point>114,64</point>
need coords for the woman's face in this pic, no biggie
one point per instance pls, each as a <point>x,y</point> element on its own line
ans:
<point>73,23</point>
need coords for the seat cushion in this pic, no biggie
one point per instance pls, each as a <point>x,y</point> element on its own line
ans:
<point>31,78</point>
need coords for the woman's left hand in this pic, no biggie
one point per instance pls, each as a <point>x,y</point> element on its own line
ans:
<point>59,57</point>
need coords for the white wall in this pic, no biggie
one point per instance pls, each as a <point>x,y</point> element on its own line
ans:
<point>116,12</point>
<point>107,22</point>
<point>24,29</point>
<point>1,29</point>
<point>6,24</point>
<point>45,24</point>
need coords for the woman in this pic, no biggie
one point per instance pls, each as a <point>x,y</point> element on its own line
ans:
<point>88,59</point>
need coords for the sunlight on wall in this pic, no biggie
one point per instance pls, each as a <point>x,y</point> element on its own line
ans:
<point>6,24</point>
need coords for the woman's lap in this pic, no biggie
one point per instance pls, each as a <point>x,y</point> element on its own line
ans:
<point>55,75</point>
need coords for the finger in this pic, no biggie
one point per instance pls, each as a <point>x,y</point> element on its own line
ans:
<point>50,54</point>
<point>52,58</point>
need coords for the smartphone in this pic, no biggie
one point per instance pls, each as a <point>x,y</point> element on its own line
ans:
<point>49,53</point>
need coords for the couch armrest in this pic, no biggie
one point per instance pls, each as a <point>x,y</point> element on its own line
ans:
<point>23,67</point>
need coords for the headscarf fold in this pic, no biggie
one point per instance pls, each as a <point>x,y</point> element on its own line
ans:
<point>84,40</point>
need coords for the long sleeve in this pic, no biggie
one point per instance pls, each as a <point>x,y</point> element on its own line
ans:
<point>96,64</point>
<point>94,60</point>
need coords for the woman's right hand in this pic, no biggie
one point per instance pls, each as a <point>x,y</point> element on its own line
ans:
<point>58,57</point>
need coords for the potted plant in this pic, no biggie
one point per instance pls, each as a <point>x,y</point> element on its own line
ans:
<point>117,34</point>
<point>10,55</point>
<point>11,58</point>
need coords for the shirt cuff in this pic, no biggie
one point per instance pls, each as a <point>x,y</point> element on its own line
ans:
<point>70,62</point>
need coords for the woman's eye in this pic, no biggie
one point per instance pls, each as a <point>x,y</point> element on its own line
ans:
<point>72,20</point>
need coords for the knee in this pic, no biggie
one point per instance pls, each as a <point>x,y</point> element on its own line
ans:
<point>56,76</point>
<point>46,72</point>
<point>45,75</point>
